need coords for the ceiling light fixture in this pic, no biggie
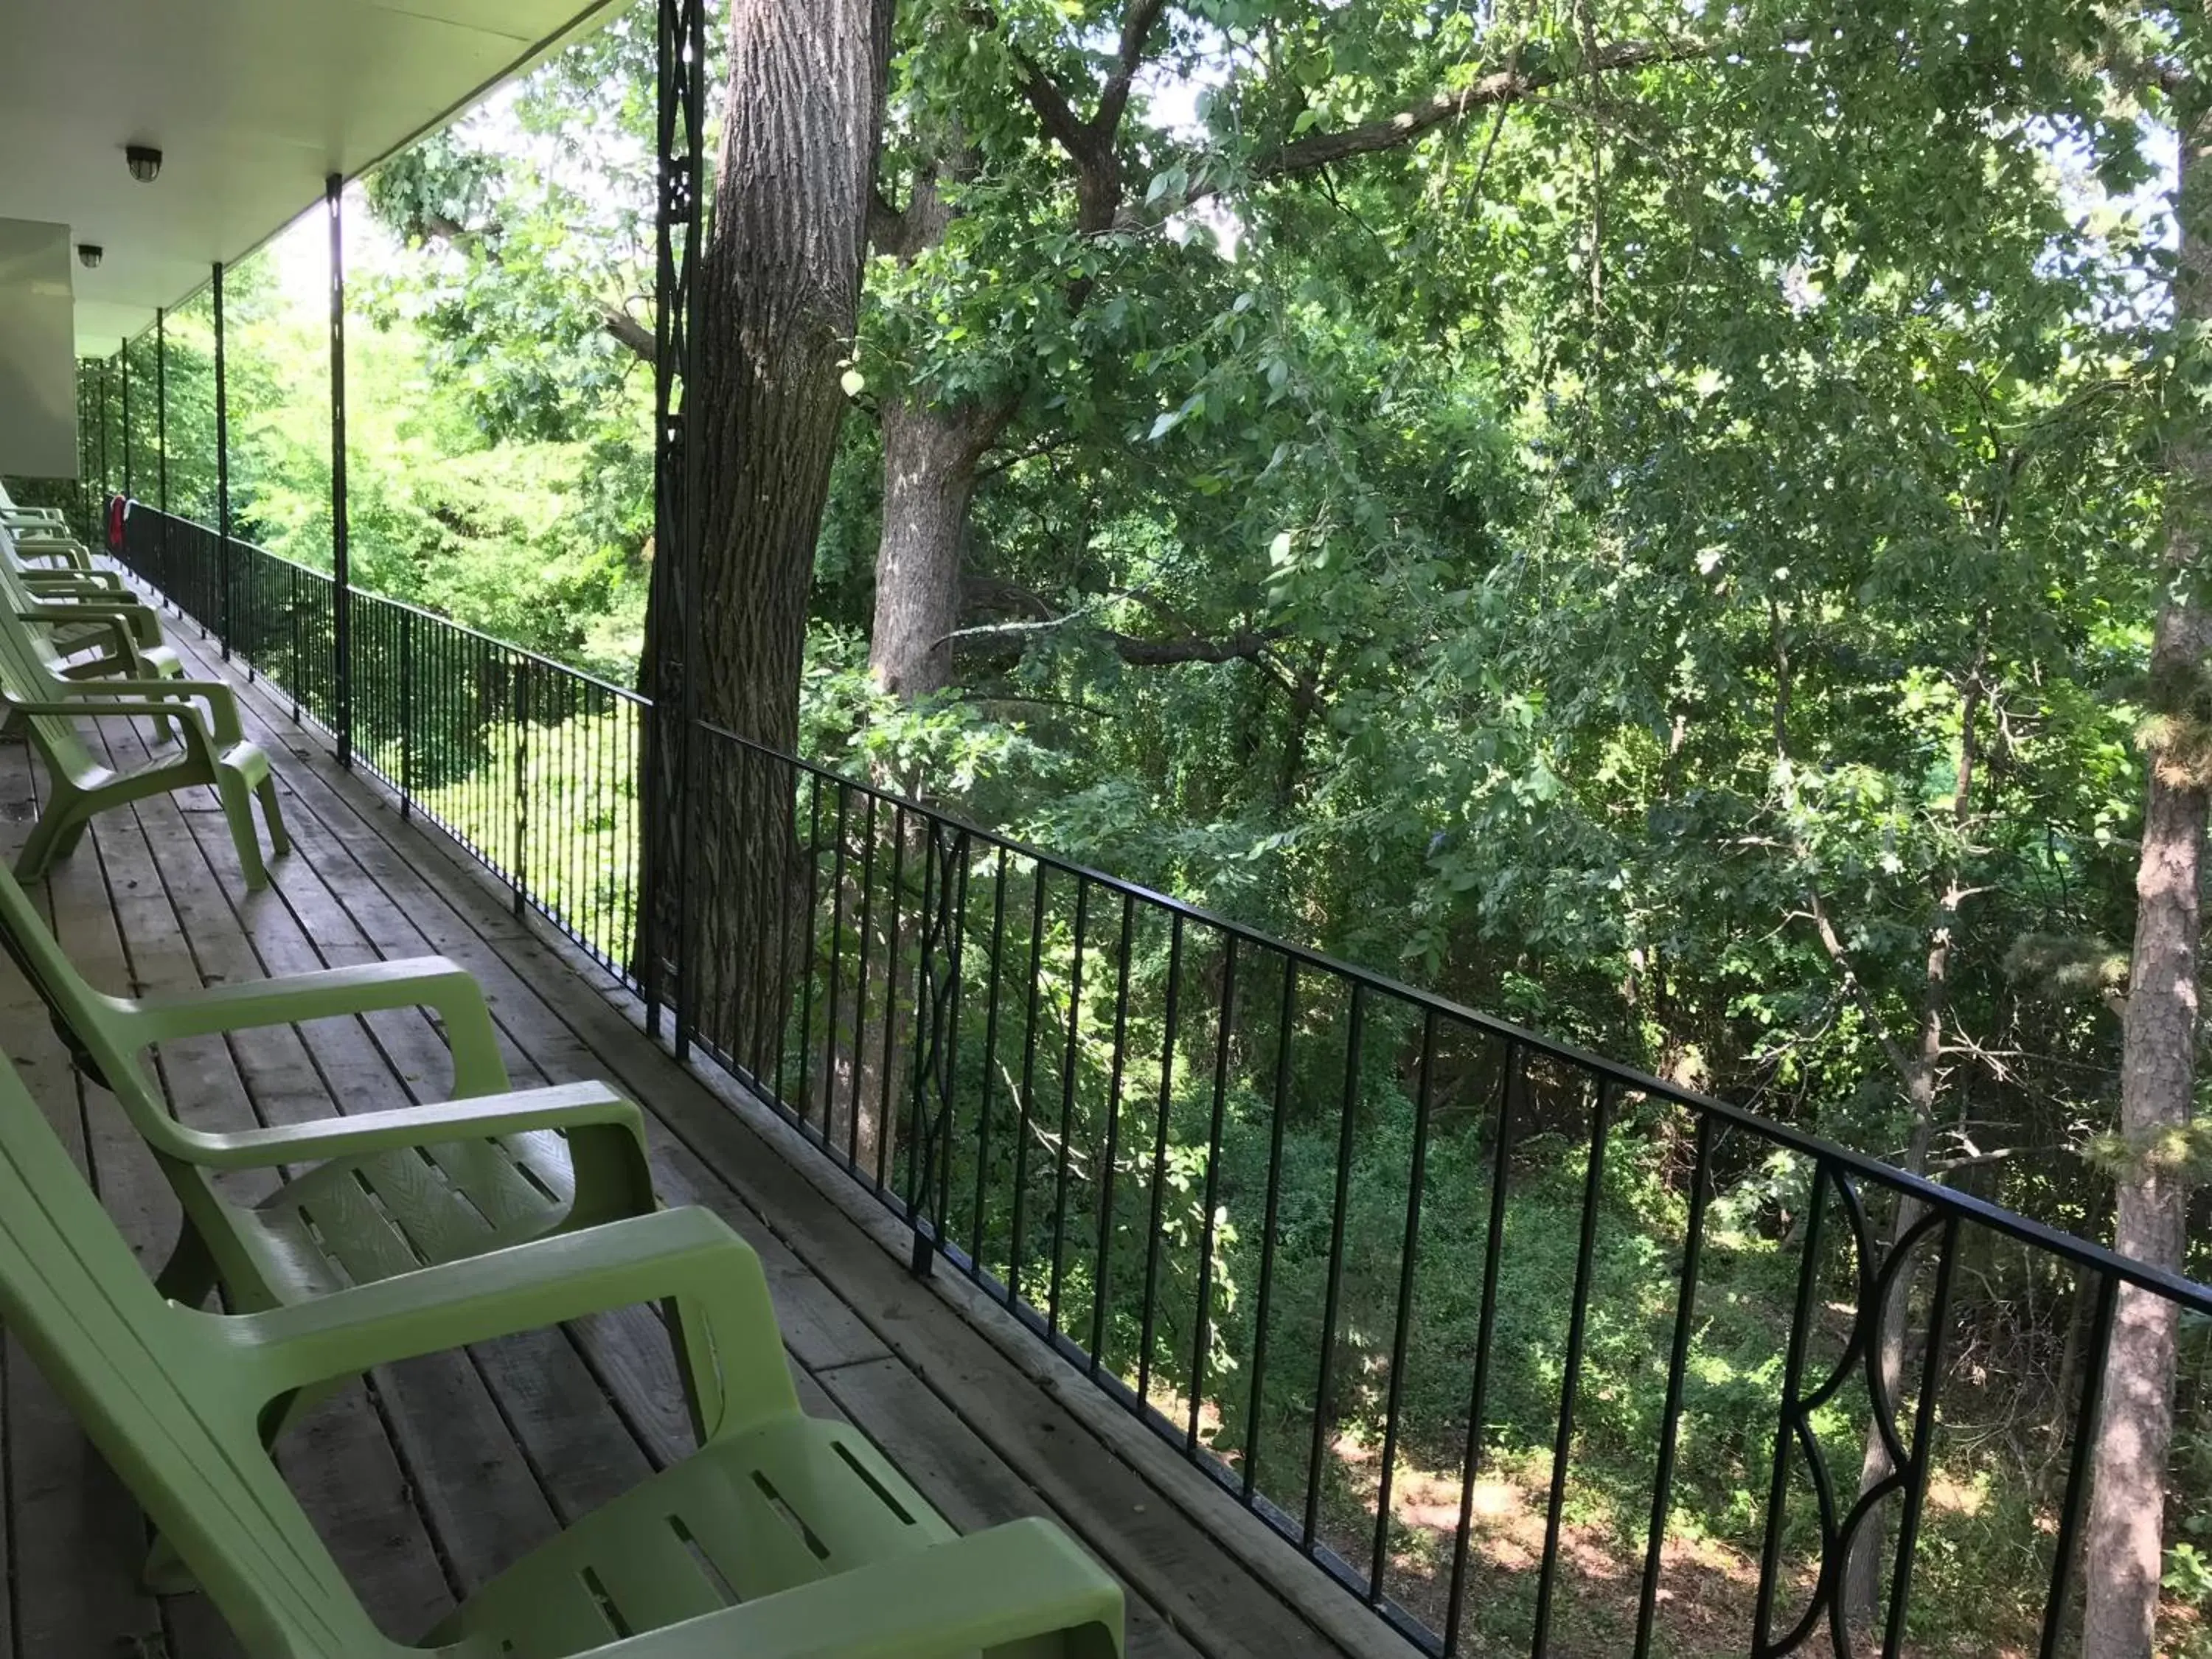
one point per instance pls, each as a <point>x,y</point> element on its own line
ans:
<point>145,163</point>
<point>88,255</point>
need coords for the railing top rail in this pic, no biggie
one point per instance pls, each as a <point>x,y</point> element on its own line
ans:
<point>370,594</point>
<point>1612,1073</point>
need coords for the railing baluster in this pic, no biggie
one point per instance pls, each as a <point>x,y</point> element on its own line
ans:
<point>1160,1159</point>
<point>1809,1280</point>
<point>778,1015</point>
<point>1202,1343</point>
<point>1018,1239</point>
<point>1570,1384</point>
<point>1273,1210</point>
<point>836,969</point>
<point>990,1062</point>
<point>1678,1366</point>
<point>1332,1292</point>
<point>1408,1255</point>
<point>860,988</point>
<point>1485,1330</point>
<point>1923,1437</point>
<point>949,1067</point>
<point>2079,1471</point>
<point>406,714</point>
<point>806,942</point>
<point>1067,1109</point>
<point>893,974</point>
<point>1103,1281</point>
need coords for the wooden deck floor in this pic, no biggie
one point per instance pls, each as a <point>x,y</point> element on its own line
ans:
<point>433,1474</point>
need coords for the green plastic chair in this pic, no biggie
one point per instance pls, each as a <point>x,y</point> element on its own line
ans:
<point>77,616</point>
<point>213,751</point>
<point>91,638</point>
<point>782,1537</point>
<point>386,1192</point>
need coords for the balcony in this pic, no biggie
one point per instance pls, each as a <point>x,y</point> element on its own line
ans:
<point>436,1473</point>
<point>1332,1316</point>
<point>1064,1265</point>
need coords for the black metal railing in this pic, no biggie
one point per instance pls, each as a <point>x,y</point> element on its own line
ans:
<point>528,763</point>
<point>1528,1350</point>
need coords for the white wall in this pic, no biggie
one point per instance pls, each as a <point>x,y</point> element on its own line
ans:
<point>38,352</point>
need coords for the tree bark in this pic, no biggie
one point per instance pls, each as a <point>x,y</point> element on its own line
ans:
<point>930,456</point>
<point>780,285</point>
<point>2124,1542</point>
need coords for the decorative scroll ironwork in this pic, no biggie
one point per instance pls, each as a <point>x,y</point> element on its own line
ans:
<point>1875,1288</point>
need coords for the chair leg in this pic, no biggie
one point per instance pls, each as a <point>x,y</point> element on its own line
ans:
<point>53,837</point>
<point>272,814</point>
<point>238,811</point>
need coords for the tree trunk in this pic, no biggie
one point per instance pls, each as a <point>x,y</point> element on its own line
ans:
<point>779,287</point>
<point>2125,1542</point>
<point>931,451</point>
<point>930,456</point>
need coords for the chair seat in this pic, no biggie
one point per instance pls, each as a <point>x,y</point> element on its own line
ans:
<point>355,1220</point>
<point>795,1500</point>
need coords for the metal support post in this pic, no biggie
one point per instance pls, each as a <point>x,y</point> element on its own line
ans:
<point>342,580</point>
<point>222,468</point>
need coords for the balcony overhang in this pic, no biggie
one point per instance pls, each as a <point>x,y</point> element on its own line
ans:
<point>252,103</point>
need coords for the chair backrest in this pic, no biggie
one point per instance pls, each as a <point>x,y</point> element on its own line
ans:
<point>83,1016</point>
<point>167,1401</point>
<point>24,676</point>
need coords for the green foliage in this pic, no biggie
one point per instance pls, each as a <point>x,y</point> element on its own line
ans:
<point>1664,559</point>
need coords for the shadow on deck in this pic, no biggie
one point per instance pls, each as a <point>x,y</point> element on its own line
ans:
<point>433,1474</point>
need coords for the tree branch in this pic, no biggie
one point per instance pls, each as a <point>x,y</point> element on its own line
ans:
<point>1246,645</point>
<point>628,332</point>
<point>1506,86</point>
<point>1510,85</point>
<point>1136,30</point>
<point>625,329</point>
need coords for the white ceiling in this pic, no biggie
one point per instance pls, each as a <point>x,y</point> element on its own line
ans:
<point>251,102</point>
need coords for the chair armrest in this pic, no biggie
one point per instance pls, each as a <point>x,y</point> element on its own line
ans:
<point>41,578</point>
<point>145,628</point>
<point>212,696</point>
<point>93,705</point>
<point>561,1106</point>
<point>73,554</point>
<point>990,1589</point>
<point>688,1256</point>
<point>430,982</point>
<point>68,615</point>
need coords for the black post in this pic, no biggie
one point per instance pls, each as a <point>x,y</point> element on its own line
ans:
<point>341,584</point>
<point>667,838</point>
<point>124,352</point>
<point>101,541</point>
<point>161,408</point>
<point>162,454</point>
<point>222,466</point>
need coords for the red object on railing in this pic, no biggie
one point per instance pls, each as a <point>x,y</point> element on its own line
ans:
<point>118,510</point>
